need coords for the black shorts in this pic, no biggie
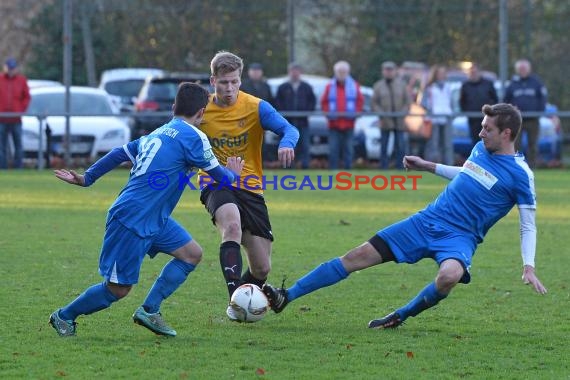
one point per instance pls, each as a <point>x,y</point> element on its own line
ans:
<point>252,209</point>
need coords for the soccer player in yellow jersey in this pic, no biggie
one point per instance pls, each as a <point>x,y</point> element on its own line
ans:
<point>235,123</point>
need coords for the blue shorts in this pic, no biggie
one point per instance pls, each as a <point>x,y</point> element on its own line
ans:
<point>414,239</point>
<point>123,251</point>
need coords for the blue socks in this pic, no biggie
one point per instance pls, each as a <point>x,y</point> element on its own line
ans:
<point>172,276</point>
<point>95,298</point>
<point>99,297</point>
<point>326,274</point>
<point>425,299</point>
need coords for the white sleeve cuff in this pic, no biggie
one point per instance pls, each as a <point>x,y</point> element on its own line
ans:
<point>447,171</point>
<point>528,235</point>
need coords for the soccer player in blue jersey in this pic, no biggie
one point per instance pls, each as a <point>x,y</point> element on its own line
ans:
<point>139,222</point>
<point>490,183</point>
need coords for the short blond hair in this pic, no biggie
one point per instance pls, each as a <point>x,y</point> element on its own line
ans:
<point>225,62</point>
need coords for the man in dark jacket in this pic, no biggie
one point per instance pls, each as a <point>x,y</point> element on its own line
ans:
<point>475,93</point>
<point>14,97</point>
<point>528,94</point>
<point>255,84</point>
<point>297,95</point>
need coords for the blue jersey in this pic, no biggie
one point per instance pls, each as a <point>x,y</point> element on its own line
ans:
<point>485,190</point>
<point>160,160</point>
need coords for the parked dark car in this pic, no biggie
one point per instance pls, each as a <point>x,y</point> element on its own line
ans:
<point>157,95</point>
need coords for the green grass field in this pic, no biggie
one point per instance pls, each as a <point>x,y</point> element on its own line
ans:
<point>494,328</point>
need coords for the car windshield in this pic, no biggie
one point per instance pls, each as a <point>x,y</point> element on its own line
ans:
<point>163,90</point>
<point>81,104</point>
<point>125,88</point>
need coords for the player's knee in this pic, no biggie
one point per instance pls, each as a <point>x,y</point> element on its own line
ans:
<point>448,277</point>
<point>193,254</point>
<point>119,291</point>
<point>232,231</point>
<point>261,271</point>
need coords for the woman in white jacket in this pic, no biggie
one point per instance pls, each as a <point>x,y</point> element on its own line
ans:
<point>437,100</point>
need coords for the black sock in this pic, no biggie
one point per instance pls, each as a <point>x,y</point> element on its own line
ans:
<point>230,261</point>
<point>248,278</point>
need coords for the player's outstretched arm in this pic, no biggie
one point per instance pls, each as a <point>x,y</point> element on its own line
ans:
<point>105,164</point>
<point>70,176</point>
<point>418,163</point>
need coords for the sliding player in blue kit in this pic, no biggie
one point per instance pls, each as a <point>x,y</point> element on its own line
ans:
<point>139,222</point>
<point>490,183</point>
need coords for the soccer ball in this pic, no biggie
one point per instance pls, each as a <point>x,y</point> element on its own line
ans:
<point>249,303</point>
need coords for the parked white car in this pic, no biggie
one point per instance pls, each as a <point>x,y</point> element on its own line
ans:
<point>37,83</point>
<point>124,84</point>
<point>91,136</point>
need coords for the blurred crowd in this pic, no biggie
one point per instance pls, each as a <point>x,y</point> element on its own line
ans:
<point>401,91</point>
<point>415,107</point>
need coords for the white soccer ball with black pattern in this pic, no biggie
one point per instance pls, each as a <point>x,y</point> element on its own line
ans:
<point>249,303</point>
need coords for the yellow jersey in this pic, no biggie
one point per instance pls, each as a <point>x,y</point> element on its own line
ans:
<point>236,131</point>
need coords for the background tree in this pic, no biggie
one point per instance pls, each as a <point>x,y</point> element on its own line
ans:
<point>183,35</point>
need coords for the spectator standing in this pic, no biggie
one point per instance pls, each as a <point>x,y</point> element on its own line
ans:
<point>14,97</point>
<point>391,95</point>
<point>297,95</point>
<point>437,100</point>
<point>475,93</point>
<point>528,94</point>
<point>255,84</point>
<point>342,94</point>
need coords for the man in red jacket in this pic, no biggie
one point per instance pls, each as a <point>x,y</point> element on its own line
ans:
<point>342,94</point>
<point>14,97</point>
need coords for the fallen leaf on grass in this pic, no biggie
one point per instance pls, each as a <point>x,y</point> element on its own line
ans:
<point>61,373</point>
<point>410,354</point>
<point>260,371</point>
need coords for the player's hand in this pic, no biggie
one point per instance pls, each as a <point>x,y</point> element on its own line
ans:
<point>529,277</point>
<point>286,156</point>
<point>235,164</point>
<point>70,176</point>
<point>416,163</point>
